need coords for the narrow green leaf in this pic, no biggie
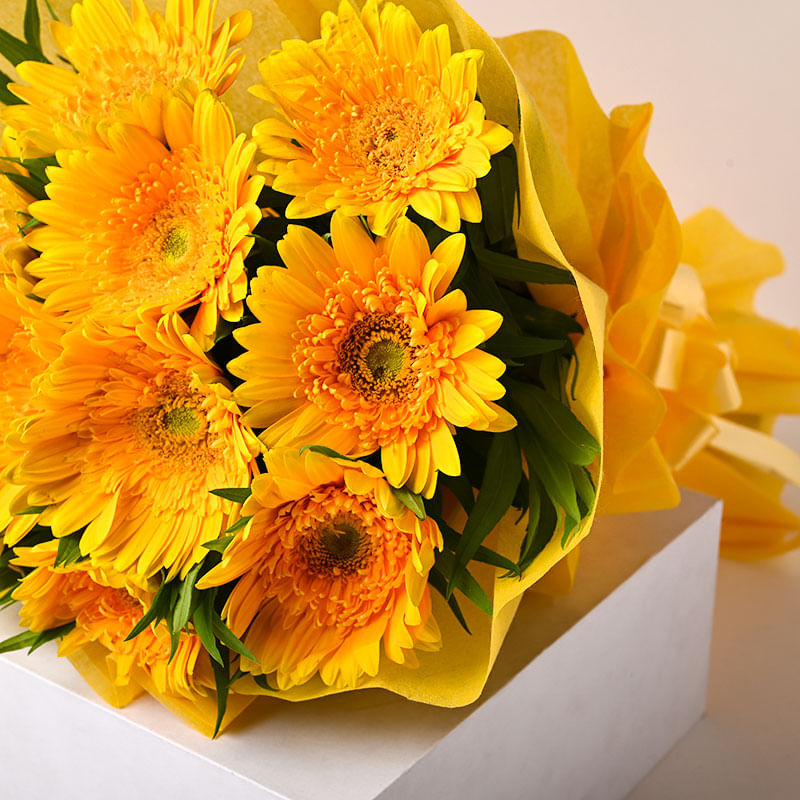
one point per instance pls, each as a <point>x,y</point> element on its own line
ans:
<point>538,320</point>
<point>182,609</point>
<point>325,451</point>
<point>16,51</point>
<point>32,25</point>
<point>219,545</point>
<point>555,423</point>
<point>501,476</point>
<point>237,526</point>
<point>484,555</point>
<point>50,10</point>
<point>552,470</point>
<point>510,347</point>
<point>464,581</point>
<point>203,620</point>
<point>7,97</point>
<point>410,500</point>
<point>584,485</point>
<point>261,680</point>
<point>23,229</point>
<point>27,183</point>
<point>229,638</point>
<point>69,550</point>
<point>34,639</point>
<point>439,582</point>
<point>6,599</point>
<point>542,522</point>
<point>153,614</point>
<point>234,495</point>
<point>510,268</point>
<point>223,684</point>
<point>30,510</point>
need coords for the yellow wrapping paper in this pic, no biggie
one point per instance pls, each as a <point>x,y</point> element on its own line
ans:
<point>200,712</point>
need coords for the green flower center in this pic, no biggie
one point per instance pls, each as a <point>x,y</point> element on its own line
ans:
<point>340,540</point>
<point>182,421</point>
<point>176,244</point>
<point>385,358</point>
<point>378,357</point>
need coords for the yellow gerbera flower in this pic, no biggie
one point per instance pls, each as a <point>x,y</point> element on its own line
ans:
<point>331,564</point>
<point>360,346</point>
<point>105,606</point>
<point>29,341</point>
<point>380,117</point>
<point>136,427</point>
<point>116,57</point>
<point>138,225</point>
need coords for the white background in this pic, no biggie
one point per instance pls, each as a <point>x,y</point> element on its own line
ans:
<point>723,77</point>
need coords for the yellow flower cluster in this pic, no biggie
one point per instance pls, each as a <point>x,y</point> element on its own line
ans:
<point>124,248</point>
<point>248,386</point>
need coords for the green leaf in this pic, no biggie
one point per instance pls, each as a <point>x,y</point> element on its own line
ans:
<point>464,581</point>
<point>237,526</point>
<point>552,470</point>
<point>5,598</point>
<point>498,192</point>
<point>182,609</point>
<point>157,611</point>
<point>555,423</point>
<point>203,620</point>
<point>27,183</point>
<point>439,582</point>
<point>219,545</point>
<point>16,51</point>
<point>584,485</point>
<point>222,679</point>
<point>34,639</point>
<point>541,524</point>
<point>325,451</point>
<point>511,268</point>
<point>229,638</point>
<point>485,555</point>
<point>32,25</point>
<point>50,10</point>
<point>69,550</point>
<point>500,479</point>
<point>7,97</point>
<point>30,510</point>
<point>508,346</point>
<point>536,319</point>
<point>234,495</point>
<point>410,500</point>
<point>261,680</point>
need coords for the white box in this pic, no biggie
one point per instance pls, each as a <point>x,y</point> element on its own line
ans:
<point>589,691</point>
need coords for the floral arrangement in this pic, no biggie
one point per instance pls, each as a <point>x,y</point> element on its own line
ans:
<point>309,410</point>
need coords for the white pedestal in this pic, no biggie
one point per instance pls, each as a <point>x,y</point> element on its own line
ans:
<point>589,691</point>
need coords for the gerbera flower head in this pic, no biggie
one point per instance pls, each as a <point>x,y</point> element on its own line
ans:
<point>105,606</point>
<point>331,565</point>
<point>117,58</point>
<point>138,224</point>
<point>379,116</point>
<point>361,346</point>
<point>135,428</point>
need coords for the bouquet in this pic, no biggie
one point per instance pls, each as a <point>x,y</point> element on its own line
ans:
<point>303,390</point>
